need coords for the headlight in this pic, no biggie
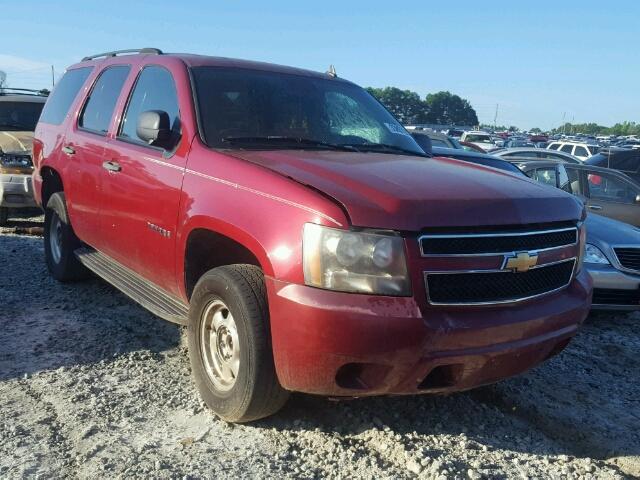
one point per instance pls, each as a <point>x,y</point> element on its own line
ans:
<point>593,254</point>
<point>359,262</point>
<point>14,163</point>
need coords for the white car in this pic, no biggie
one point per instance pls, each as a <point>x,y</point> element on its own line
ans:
<point>481,139</point>
<point>577,149</point>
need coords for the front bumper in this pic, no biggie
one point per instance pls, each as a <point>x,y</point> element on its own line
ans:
<point>16,191</point>
<point>614,289</point>
<point>342,344</point>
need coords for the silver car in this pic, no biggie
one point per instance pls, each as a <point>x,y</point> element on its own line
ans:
<point>612,258</point>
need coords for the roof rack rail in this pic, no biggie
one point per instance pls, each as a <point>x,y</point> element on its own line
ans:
<point>23,91</point>
<point>153,51</point>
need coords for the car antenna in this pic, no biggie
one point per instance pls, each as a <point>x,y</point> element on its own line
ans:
<point>332,71</point>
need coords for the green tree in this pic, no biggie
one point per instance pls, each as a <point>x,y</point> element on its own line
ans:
<point>449,109</point>
<point>405,105</point>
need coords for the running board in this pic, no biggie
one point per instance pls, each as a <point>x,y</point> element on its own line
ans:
<point>150,296</point>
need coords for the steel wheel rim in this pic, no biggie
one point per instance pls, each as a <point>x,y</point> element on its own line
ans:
<point>55,238</point>
<point>220,345</point>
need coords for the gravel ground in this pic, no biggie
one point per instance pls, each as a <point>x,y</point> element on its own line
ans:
<point>93,385</point>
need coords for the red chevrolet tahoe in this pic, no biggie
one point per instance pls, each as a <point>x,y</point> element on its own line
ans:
<point>299,232</point>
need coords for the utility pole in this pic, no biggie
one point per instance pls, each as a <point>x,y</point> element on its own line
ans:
<point>495,117</point>
<point>53,77</point>
<point>564,114</point>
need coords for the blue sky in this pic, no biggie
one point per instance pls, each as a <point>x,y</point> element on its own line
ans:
<point>537,61</point>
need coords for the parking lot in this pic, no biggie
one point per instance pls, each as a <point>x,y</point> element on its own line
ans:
<point>94,385</point>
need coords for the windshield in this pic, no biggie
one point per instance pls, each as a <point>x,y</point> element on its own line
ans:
<point>19,115</point>
<point>241,108</point>
<point>478,138</point>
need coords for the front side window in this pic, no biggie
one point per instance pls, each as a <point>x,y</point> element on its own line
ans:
<point>608,188</point>
<point>19,116</point>
<point>554,146</point>
<point>101,103</point>
<point>581,152</point>
<point>242,108</point>
<point>66,90</point>
<point>154,90</point>
<point>593,149</point>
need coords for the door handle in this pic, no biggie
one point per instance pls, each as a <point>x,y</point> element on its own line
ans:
<point>68,150</point>
<point>112,166</point>
<point>595,207</point>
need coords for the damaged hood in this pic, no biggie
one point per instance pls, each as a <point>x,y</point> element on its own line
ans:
<point>16,142</point>
<point>402,192</point>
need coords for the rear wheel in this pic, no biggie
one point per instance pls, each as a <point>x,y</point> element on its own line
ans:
<point>229,344</point>
<point>60,242</point>
<point>4,215</point>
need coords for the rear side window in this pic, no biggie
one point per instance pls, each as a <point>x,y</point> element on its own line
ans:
<point>154,90</point>
<point>567,148</point>
<point>60,100</point>
<point>98,110</point>
<point>546,176</point>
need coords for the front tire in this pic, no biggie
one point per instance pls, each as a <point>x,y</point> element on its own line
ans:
<point>60,242</point>
<point>4,216</point>
<point>229,344</point>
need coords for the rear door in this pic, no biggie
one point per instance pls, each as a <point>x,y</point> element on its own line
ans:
<point>84,146</point>
<point>613,197</point>
<point>144,187</point>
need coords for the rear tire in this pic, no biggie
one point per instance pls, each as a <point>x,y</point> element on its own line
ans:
<point>230,347</point>
<point>4,216</point>
<point>60,242</point>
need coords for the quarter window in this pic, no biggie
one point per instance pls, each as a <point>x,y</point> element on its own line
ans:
<point>154,90</point>
<point>101,103</point>
<point>60,100</point>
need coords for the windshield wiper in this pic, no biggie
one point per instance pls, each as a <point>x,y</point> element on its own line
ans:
<point>287,141</point>
<point>384,147</point>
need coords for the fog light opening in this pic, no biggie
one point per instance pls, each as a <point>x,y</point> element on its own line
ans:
<point>442,376</point>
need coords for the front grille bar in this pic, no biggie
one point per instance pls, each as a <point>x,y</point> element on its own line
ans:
<point>498,243</point>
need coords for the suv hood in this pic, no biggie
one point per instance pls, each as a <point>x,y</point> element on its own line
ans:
<point>16,142</point>
<point>402,192</point>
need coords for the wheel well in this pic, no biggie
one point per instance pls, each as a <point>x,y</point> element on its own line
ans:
<point>51,183</point>
<point>206,250</point>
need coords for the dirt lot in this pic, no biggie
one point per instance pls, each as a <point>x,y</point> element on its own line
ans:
<point>93,385</point>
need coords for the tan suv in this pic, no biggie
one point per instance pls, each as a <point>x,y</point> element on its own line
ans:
<point>19,113</point>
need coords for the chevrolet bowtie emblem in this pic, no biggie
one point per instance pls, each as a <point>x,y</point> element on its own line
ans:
<point>520,262</point>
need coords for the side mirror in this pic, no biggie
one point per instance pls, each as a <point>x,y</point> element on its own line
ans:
<point>637,198</point>
<point>154,127</point>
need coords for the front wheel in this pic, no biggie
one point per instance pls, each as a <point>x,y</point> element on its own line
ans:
<point>229,344</point>
<point>4,216</point>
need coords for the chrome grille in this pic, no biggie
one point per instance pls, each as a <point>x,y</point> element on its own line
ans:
<point>527,264</point>
<point>629,257</point>
<point>497,286</point>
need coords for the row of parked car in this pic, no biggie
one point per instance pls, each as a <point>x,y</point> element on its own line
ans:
<point>308,241</point>
<point>607,184</point>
